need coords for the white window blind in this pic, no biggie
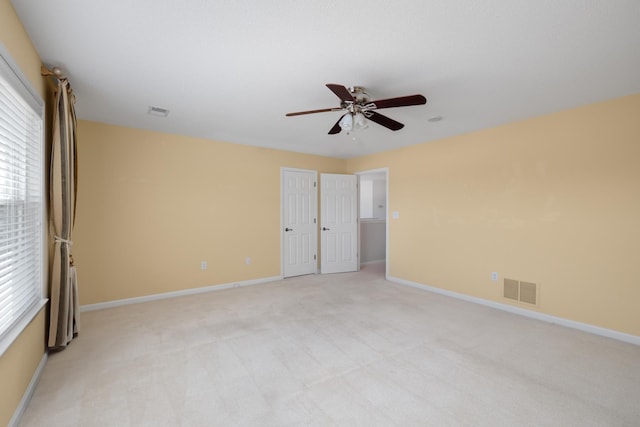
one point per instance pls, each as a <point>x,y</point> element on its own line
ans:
<point>21,201</point>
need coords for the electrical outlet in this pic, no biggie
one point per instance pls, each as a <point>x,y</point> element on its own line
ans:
<point>494,276</point>
<point>247,260</point>
<point>203,265</point>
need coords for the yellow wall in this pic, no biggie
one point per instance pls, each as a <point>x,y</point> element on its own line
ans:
<point>17,366</point>
<point>553,200</point>
<point>19,363</point>
<point>17,41</point>
<point>152,206</point>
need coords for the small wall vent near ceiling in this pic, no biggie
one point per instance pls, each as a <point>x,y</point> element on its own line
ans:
<point>158,111</point>
<point>525,292</point>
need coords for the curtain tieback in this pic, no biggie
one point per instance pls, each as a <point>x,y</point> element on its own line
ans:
<point>59,239</point>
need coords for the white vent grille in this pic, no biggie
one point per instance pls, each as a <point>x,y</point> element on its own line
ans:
<point>158,111</point>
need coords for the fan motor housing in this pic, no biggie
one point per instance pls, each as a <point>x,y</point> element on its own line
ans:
<point>360,94</point>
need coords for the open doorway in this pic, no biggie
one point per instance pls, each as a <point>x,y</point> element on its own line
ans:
<point>374,230</point>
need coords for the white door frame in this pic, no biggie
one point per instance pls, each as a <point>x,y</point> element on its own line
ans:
<point>386,210</point>
<point>282,200</point>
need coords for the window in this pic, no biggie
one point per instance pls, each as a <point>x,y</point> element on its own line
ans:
<point>21,202</point>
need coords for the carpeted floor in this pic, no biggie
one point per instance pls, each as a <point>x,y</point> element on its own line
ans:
<point>347,349</point>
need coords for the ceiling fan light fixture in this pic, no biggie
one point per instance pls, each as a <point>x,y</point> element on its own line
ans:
<point>360,121</point>
<point>358,109</point>
<point>346,122</point>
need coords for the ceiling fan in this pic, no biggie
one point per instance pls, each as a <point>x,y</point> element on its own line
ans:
<point>358,107</point>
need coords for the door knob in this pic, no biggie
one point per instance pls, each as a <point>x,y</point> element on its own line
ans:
<point>325,229</point>
<point>288,229</point>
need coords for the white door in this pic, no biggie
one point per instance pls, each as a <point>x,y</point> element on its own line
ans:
<point>339,223</point>
<point>299,222</point>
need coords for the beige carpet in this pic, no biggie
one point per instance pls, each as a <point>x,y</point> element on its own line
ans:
<point>348,349</point>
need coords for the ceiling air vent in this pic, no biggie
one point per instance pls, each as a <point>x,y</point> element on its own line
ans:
<point>521,291</point>
<point>157,111</point>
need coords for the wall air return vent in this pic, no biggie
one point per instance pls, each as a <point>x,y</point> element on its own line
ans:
<point>511,289</point>
<point>529,293</point>
<point>525,292</point>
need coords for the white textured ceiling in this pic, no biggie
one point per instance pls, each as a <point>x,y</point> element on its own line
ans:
<point>229,70</point>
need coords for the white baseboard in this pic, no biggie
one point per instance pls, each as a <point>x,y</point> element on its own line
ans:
<point>165,295</point>
<point>28,393</point>
<point>585,327</point>
<point>375,261</point>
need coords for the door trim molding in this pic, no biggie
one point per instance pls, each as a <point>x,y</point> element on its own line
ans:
<point>282,171</point>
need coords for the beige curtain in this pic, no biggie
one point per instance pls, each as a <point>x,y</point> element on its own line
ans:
<point>64,316</point>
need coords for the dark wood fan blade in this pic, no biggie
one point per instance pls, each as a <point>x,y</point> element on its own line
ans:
<point>336,128</point>
<point>341,92</point>
<point>323,110</point>
<point>383,120</point>
<point>402,101</point>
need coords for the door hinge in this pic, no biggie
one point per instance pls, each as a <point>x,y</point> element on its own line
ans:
<point>314,220</point>
<point>314,184</point>
<point>314,257</point>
